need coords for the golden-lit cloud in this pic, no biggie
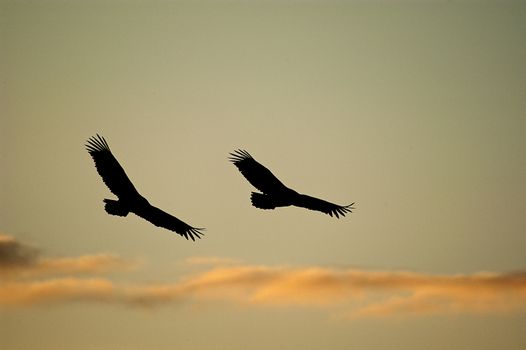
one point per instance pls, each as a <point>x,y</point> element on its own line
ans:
<point>479,293</point>
<point>363,293</point>
<point>347,292</point>
<point>21,260</point>
<point>98,263</point>
<point>25,293</point>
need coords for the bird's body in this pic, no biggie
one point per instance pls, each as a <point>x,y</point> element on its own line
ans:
<point>275,193</point>
<point>129,199</point>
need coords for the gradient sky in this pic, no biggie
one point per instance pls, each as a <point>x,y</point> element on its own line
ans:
<point>414,110</point>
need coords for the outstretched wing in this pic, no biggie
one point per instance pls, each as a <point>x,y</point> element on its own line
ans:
<point>109,168</point>
<point>259,176</point>
<point>313,203</point>
<point>162,219</point>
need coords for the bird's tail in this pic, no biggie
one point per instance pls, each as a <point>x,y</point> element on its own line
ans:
<point>262,201</point>
<point>115,207</point>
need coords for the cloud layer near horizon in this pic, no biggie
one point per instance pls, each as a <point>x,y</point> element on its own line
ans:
<point>359,293</point>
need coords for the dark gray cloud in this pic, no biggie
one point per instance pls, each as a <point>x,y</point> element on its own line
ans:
<point>15,254</point>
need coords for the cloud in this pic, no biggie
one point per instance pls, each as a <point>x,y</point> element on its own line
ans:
<point>21,260</point>
<point>87,264</point>
<point>479,293</point>
<point>360,293</point>
<point>13,254</point>
<point>363,293</point>
<point>22,293</point>
<point>348,292</point>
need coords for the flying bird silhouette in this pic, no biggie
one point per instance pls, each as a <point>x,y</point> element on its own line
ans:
<point>130,201</point>
<point>275,193</point>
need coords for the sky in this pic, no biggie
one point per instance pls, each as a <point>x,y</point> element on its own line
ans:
<point>415,110</point>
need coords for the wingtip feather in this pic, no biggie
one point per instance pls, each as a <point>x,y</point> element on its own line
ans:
<point>194,231</point>
<point>96,144</point>
<point>239,155</point>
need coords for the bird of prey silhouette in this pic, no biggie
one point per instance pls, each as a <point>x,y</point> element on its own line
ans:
<point>275,193</point>
<point>129,199</point>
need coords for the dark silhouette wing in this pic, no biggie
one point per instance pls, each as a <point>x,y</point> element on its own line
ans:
<point>259,176</point>
<point>313,203</point>
<point>109,168</point>
<point>162,219</point>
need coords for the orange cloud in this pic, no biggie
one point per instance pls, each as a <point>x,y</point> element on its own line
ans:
<point>16,293</point>
<point>395,292</point>
<point>98,263</point>
<point>20,260</point>
<point>361,293</point>
<point>481,293</point>
<point>355,293</point>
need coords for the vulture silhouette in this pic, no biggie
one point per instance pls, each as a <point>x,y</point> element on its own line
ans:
<point>130,201</point>
<point>275,193</point>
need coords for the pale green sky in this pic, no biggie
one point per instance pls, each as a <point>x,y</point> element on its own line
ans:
<point>415,110</point>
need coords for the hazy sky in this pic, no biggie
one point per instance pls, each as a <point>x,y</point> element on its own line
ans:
<point>414,110</point>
